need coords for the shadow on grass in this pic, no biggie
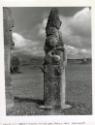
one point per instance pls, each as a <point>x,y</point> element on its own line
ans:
<point>37,101</point>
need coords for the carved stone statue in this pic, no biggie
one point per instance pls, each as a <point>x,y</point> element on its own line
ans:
<point>54,63</point>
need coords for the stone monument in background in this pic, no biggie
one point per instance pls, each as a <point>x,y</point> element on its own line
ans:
<point>8,25</point>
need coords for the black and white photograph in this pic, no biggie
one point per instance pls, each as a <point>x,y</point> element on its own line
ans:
<point>48,60</point>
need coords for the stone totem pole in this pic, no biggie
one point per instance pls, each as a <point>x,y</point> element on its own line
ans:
<point>54,63</point>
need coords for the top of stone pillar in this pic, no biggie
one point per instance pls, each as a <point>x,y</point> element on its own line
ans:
<point>8,25</point>
<point>53,19</point>
<point>8,19</point>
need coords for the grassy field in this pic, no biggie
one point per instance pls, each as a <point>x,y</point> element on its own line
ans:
<point>28,91</point>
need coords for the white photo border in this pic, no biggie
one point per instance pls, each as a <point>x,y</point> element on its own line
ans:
<point>44,119</point>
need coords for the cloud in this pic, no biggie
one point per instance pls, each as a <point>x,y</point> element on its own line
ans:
<point>26,46</point>
<point>76,31</point>
<point>41,28</point>
<point>81,23</point>
<point>30,47</point>
<point>73,52</point>
<point>19,40</point>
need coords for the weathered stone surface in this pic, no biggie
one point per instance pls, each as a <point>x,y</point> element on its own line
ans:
<point>52,85</point>
<point>8,24</point>
<point>54,77</point>
<point>53,19</point>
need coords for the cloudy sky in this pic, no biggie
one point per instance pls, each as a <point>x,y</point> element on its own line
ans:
<point>29,30</point>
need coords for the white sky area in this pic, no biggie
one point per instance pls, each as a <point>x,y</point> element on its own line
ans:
<point>76,31</point>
